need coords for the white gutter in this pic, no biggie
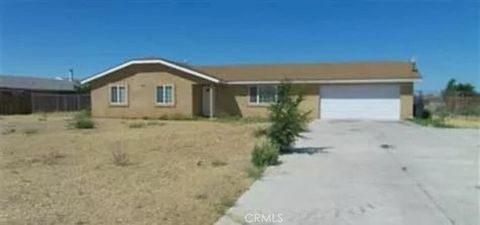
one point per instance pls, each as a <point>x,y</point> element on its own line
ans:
<point>152,61</point>
<point>325,81</point>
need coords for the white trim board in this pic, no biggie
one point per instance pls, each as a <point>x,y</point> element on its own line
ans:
<point>151,61</point>
<point>324,81</point>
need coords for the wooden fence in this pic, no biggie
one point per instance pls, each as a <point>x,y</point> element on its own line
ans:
<point>15,102</point>
<point>25,102</point>
<point>463,104</point>
<point>42,102</point>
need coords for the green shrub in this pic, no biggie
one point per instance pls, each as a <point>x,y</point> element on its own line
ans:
<point>84,123</point>
<point>265,154</point>
<point>287,120</point>
<point>82,120</point>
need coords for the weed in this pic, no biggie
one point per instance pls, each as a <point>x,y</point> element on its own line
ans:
<point>254,119</point>
<point>260,132</point>
<point>143,124</point>
<point>224,205</point>
<point>29,131</point>
<point>179,116</point>
<point>163,117</point>
<point>217,163</point>
<point>265,154</point>
<point>432,122</point>
<point>137,125</point>
<point>82,120</point>
<point>120,158</point>
<point>255,172</point>
<point>155,123</point>
<point>241,120</point>
<point>43,117</point>
<point>85,123</point>
<point>8,131</point>
<point>202,196</point>
<point>51,158</point>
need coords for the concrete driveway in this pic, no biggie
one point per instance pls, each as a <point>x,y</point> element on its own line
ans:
<point>369,173</point>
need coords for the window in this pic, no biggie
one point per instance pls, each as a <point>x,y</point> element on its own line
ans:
<point>165,95</point>
<point>118,95</point>
<point>263,94</point>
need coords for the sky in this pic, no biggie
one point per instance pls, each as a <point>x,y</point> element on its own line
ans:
<point>46,38</point>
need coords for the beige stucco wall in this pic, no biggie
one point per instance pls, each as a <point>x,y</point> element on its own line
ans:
<point>406,100</point>
<point>141,81</point>
<point>232,100</point>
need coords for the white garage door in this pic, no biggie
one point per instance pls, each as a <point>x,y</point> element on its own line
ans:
<point>360,101</point>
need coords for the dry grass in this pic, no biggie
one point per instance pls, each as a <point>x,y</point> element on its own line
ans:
<point>181,172</point>
<point>463,121</point>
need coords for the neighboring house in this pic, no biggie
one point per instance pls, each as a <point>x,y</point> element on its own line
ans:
<point>157,87</point>
<point>21,95</point>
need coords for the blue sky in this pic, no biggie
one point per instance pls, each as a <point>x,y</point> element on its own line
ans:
<point>46,38</point>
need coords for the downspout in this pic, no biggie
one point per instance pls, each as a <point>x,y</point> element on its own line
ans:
<point>211,102</point>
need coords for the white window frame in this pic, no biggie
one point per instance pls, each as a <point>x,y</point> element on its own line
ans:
<point>125,102</point>
<point>164,91</point>
<point>257,97</point>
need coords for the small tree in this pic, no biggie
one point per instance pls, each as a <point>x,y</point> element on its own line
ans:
<point>287,120</point>
<point>81,88</point>
<point>458,89</point>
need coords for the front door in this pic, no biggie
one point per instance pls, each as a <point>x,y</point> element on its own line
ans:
<point>207,98</point>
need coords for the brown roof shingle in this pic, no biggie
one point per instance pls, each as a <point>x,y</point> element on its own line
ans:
<point>318,71</point>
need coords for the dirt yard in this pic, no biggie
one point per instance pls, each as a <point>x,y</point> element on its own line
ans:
<point>464,121</point>
<point>165,172</point>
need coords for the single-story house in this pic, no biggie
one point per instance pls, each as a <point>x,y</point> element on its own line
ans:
<point>157,87</point>
<point>24,95</point>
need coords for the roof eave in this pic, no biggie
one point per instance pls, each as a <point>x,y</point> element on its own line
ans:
<point>339,81</point>
<point>151,61</point>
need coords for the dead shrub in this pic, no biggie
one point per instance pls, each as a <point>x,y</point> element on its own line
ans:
<point>8,130</point>
<point>120,158</point>
<point>43,117</point>
<point>52,158</point>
